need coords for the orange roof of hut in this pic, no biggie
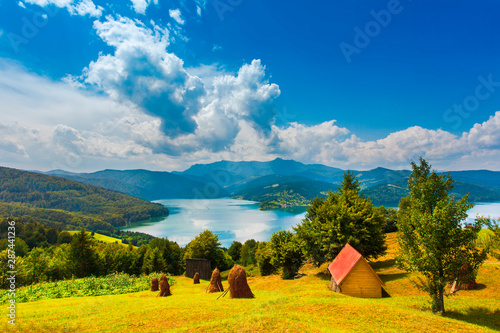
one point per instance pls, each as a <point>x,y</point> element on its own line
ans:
<point>353,276</point>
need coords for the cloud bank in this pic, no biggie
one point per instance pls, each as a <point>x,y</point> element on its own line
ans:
<point>139,106</point>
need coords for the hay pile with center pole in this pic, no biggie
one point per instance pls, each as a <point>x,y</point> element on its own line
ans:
<point>196,278</point>
<point>154,284</point>
<point>464,280</point>
<point>238,285</point>
<point>215,285</point>
<point>164,286</point>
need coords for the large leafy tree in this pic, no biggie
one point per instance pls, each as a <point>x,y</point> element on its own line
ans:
<point>264,257</point>
<point>431,237</point>
<point>247,252</point>
<point>234,250</point>
<point>343,217</point>
<point>207,246</point>
<point>287,253</point>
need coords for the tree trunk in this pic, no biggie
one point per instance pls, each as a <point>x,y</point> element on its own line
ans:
<point>441,301</point>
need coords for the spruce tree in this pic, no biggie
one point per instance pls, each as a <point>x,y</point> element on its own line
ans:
<point>345,216</point>
<point>83,255</point>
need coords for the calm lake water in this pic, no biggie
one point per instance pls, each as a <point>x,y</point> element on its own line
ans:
<point>229,218</point>
<point>238,220</point>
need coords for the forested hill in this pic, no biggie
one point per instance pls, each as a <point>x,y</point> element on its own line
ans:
<point>275,183</point>
<point>145,184</point>
<point>65,203</point>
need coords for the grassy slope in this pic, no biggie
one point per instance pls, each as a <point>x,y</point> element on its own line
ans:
<point>100,237</point>
<point>302,305</point>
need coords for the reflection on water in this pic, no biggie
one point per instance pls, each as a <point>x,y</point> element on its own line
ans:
<point>229,218</point>
<point>239,219</point>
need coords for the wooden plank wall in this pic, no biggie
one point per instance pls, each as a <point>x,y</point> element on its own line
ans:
<point>361,282</point>
<point>202,266</point>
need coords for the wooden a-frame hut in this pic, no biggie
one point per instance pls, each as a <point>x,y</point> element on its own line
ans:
<point>200,266</point>
<point>353,276</point>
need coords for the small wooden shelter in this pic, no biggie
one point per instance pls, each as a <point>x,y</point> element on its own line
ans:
<point>200,266</point>
<point>353,276</point>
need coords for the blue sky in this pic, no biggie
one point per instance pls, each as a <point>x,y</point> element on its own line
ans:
<point>87,85</point>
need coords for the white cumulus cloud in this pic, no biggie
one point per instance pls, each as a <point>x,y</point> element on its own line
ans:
<point>176,15</point>
<point>197,108</point>
<point>140,6</point>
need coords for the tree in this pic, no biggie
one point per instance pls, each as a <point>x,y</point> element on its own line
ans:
<point>492,241</point>
<point>22,248</point>
<point>207,246</point>
<point>391,217</point>
<point>83,255</point>
<point>343,217</point>
<point>350,183</point>
<point>64,237</point>
<point>153,261</point>
<point>286,253</point>
<point>172,254</point>
<point>431,237</point>
<point>247,253</point>
<point>34,268</point>
<point>234,250</point>
<point>264,257</point>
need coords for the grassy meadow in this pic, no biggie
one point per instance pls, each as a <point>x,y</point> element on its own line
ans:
<point>101,238</point>
<point>301,305</point>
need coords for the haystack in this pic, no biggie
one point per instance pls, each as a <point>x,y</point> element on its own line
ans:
<point>215,282</point>
<point>154,284</point>
<point>164,286</point>
<point>238,285</point>
<point>196,278</point>
<point>462,283</point>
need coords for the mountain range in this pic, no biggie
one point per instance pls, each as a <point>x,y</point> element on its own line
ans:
<point>262,181</point>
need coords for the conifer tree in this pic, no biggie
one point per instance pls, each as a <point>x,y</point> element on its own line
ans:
<point>343,217</point>
<point>83,255</point>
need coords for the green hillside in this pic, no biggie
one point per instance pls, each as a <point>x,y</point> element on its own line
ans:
<point>391,194</point>
<point>61,202</point>
<point>276,191</point>
<point>145,184</point>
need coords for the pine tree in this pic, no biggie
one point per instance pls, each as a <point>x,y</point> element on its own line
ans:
<point>83,255</point>
<point>153,261</point>
<point>343,217</point>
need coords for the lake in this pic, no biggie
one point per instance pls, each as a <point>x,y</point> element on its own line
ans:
<point>238,220</point>
<point>231,219</point>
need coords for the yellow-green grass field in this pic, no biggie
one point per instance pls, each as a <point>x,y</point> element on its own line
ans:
<point>301,305</point>
<point>102,238</point>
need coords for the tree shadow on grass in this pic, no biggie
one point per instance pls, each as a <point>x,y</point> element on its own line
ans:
<point>383,264</point>
<point>323,276</point>
<point>480,286</point>
<point>392,277</point>
<point>477,315</point>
